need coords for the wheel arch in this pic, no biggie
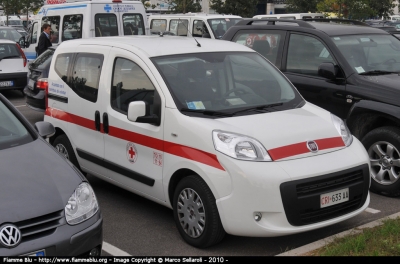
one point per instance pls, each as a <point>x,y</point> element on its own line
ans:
<point>176,178</point>
<point>59,132</point>
<point>366,116</point>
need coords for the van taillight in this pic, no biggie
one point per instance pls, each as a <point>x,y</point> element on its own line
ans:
<point>42,84</point>
<point>117,1</point>
<point>21,52</point>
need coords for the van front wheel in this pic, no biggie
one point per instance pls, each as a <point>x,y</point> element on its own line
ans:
<point>196,214</point>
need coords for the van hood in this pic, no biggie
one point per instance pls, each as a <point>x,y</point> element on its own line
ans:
<point>285,134</point>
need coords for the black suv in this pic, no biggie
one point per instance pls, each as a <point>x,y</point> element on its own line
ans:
<point>350,70</point>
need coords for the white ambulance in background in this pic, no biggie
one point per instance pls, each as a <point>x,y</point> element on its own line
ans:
<point>71,19</point>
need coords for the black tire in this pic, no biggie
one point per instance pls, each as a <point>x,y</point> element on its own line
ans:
<point>213,231</point>
<point>62,143</point>
<point>385,167</point>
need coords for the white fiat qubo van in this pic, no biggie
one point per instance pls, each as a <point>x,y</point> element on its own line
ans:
<point>207,128</point>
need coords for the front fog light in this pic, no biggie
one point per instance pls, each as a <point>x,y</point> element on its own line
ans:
<point>257,216</point>
<point>81,205</point>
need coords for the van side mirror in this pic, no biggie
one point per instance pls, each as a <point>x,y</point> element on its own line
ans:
<point>23,43</point>
<point>328,70</point>
<point>45,129</point>
<point>139,112</point>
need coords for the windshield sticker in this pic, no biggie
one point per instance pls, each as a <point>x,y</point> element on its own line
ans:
<point>365,39</point>
<point>336,38</point>
<point>227,19</point>
<point>196,105</point>
<point>235,101</point>
<point>359,69</point>
<point>2,48</point>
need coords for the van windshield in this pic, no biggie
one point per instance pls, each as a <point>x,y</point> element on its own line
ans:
<point>370,53</point>
<point>226,83</point>
<point>221,25</point>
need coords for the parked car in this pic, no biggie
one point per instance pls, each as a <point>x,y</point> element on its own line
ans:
<point>10,33</point>
<point>207,128</point>
<point>13,66</point>
<point>35,90</point>
<point>48,208</point>
<point>351,71</point>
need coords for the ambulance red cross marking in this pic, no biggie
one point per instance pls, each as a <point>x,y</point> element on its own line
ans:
<point>132,152</point>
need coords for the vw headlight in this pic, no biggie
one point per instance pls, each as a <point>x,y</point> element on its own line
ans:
<point>81,205</point>
<point>343,130</point>
<point>239,146</point>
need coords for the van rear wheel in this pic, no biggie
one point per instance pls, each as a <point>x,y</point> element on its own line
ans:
<point>64,147</point>
<point>196,214</point>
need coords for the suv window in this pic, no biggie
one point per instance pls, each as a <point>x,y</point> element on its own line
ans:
<point>54,22</point>
<point>86,75</point>
<point>305,54</point>
<point>106,25</point>
<point>265,42</point>
<point>130,83</point>
<point>72,27</point>
<point>179,27</point>
<point>199,28</point>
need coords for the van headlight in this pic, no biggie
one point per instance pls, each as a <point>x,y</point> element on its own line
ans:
<point>239,146</point>
<point>81,205</point>
<point>342,129</point>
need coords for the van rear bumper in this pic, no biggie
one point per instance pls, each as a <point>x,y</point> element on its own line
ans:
<point>19,80</point>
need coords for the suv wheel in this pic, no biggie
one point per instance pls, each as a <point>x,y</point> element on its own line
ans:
<point>383,146</point>
<point>62,145</point>
<point>196,214</point>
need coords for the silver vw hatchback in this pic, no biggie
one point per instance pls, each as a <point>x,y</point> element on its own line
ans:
<point>47,207</point>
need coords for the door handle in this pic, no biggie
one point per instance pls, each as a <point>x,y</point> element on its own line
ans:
<point>97,120</point>
<point>105,123</point>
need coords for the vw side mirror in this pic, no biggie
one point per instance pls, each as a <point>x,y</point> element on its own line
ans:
<point>328,70</point>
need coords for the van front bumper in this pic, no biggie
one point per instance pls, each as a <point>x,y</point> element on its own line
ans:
<point>287,193</point>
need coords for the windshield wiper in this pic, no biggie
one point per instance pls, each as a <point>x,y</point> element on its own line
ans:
<point>257,108</point>
<point>205,112</point>
<point>377,72</point>
<point>9,57</point>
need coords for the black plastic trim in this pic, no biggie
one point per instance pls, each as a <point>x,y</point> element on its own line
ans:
<point>58,98</point>
<point>117,168</point>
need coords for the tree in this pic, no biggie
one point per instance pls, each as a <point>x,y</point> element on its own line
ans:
<point>10,7</point>
<point>27,6</point>
<point>302,6</point>
<point>184,6</point>
<point>382,7</point>
<point>243,8</point>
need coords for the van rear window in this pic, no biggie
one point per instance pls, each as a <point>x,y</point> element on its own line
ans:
<point>106,25</point>
<point>72,27</point>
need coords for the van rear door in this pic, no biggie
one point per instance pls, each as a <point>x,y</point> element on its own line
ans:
<point>106,20</point>
<point>133,17</point>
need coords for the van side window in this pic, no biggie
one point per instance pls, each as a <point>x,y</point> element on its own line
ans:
<point>179,27</point>
<point>130,83</point>
<point>54,22</point>
<point>34,33</point>
<point>62,64</point>
<point>86,75</point>
<point>159,25</point>
<point>133,24</point>
<point>105,25</point>
<point>199,28</point>
<point>72,27</point>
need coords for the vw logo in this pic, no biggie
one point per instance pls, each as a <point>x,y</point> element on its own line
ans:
<point>10,236</point>
<point>312,146</point>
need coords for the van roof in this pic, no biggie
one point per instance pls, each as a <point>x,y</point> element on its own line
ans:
<point>154,46</point>
<point>194,15</point>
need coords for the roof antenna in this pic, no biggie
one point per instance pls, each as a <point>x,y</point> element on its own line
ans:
<point>198,44</point>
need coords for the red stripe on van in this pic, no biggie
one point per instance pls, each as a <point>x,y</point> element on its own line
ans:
<point>301,148</point>
<point>154,143</point>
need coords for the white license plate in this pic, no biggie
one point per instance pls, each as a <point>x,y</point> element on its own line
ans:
<point>336,197</point>
<point>6,83</point>
<point>31,84</point>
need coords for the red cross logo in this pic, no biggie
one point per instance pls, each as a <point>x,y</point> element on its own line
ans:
<point>131,152</point>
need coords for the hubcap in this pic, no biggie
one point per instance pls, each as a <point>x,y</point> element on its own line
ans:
<point>385,162</point>
<point>191,213</point>
<point>60,148</point>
